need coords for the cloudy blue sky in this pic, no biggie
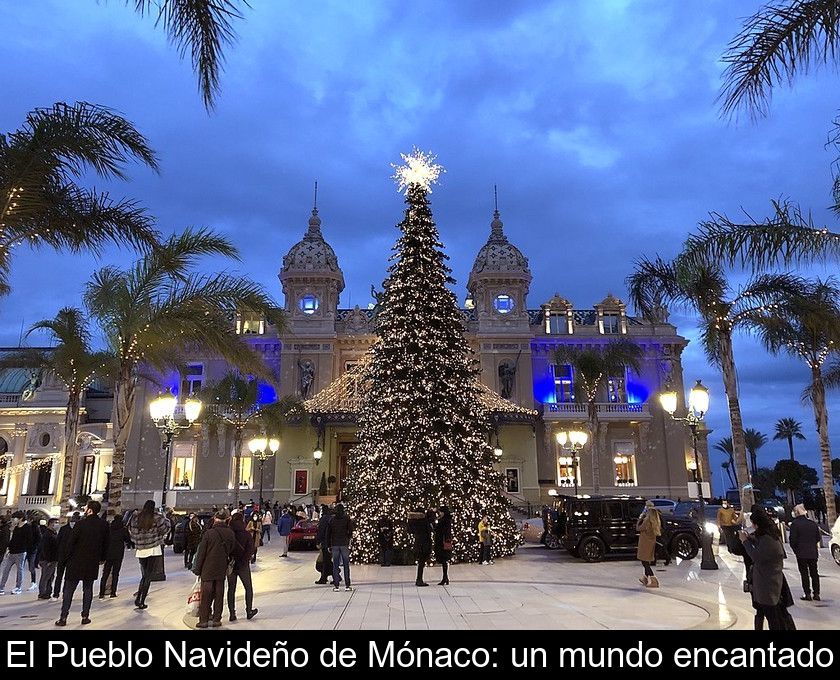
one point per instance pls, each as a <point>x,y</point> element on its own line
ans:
<point>597,120</point>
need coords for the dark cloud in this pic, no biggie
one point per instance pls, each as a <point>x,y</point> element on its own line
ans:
<point>597,120</point>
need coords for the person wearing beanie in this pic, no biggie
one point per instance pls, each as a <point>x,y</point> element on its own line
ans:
<point>804,540</point>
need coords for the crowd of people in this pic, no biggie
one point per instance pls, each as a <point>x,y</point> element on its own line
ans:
<point>220,549</point>
<point>757,539</point>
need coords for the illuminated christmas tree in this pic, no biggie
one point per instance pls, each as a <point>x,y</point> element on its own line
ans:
<point>423,433</point>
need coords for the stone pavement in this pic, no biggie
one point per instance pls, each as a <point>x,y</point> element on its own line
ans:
<point>535,590</point>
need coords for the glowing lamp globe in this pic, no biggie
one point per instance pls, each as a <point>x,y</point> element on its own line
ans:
<point>579,437</point>
<point>274,445</point>
<point>162,407</point>
<point>192,409</point>
<point>562,437</point>
<point>698,400</point>
<point>256,444</point>
<point>317,454</point>
<point>498,452</point>
<point>668,400</point>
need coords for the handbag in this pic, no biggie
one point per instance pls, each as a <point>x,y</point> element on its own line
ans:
<point>158,569</point>
<point>194,598</point>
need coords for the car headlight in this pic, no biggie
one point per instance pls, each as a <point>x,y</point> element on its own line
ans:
<point>711,528</point>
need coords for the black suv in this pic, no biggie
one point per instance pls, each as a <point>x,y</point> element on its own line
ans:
<point>590,527</point>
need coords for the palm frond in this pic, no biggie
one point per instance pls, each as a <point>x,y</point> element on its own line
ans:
<point>724,446</point>
<point>202,28</point>
<point>775,44</point>
<point>830,376</point>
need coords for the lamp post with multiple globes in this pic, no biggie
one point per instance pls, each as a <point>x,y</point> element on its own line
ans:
<point>573,441</point>
<point>698,406</point>
<point>263,448</point>
<point>162,411</point>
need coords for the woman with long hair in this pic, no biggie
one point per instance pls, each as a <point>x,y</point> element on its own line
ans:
<point>148,529</point>
<point>770,592</point>
<point>443,541</point>
<point>649,526</point>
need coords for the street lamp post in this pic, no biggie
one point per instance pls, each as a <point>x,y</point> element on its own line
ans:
<point>109,470</point>
<point>698,406</point>
<point>573,441</point>
<point>162,411</point>
<point>263,448</point>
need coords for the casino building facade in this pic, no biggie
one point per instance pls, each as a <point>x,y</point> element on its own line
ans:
<point>317,359</point>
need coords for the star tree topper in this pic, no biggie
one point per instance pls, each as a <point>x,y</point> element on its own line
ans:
<point>417,168</point>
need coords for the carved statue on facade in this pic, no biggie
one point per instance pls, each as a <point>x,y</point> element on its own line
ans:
<point>34,383</point>
<point>507,375</point>
<point>306,377</point>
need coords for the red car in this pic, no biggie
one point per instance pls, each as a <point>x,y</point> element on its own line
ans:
<point>304,535</point>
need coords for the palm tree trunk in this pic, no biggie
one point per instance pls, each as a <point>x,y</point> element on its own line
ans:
<point>237,461</point>
<point>821,415</point>
<point>790,445</point>
<point>594,446</point>
<point>71,448</point>
<point>125,391</point>
<point>732,467</point>
<point>739,448</point>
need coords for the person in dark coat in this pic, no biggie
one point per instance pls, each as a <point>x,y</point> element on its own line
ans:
<point>339,534</point>
<point>19,542</point>
<point>242,549</point>
<point>443,541</point>
<point>47,558</point>
<point>386,541</point>
<point>117,538</point>
<point>770,593</point>
<point>63,540</point>
<point>804,540</point>
<point>326,556</point>
<point>192,537</point>
<point>32,551</point>
<point>420,526</point>
<point>211,566</point>
<point>88,547</point>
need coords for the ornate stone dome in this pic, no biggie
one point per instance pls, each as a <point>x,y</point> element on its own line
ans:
<point>499,255</point>
<point>312,254</point>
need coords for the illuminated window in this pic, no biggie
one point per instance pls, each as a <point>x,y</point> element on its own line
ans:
<point>43,477</point>
<point>309,304</point>
<point>616,391</point>
<point>183,465</point>
<point>5,463</point>
<point>192,379</point>
<point>612,324</point>
<point>246,468</point>
<point>624,461</point>
<point>566,471</point>
<point>503,304</point>
<point>88,463</point>
<point>564,387</point>
<point>557,324</point>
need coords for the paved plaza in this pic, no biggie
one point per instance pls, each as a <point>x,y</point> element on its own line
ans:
<point>537,589</point>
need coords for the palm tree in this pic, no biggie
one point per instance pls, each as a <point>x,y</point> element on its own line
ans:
<point>779,41</point>
<point>789,429</point>
<point>754,440</point>
<point>201,28</point>
<point>234,401</point>
<point>41,200</point>
<point>159,310</point>
<point>725,446</point>
<point>809,330</point>
<point>702,287</point>
<point>726,465</point>
<point>592,369</point>
<point>76,365</point>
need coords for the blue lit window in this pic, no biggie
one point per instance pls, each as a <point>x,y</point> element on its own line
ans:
<point>503,304</point>
<point>308,304</point>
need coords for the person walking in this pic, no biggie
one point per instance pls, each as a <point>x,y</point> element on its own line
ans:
<point>254,527</point>
<point>770,592</point>
<point>443,541</point>
<point>192,537</point>
<point>804,540</point>
<point>88,547</point>
<point>485,541</point>
<point>47,558</point>
<point>326,555</point>
<point>267,519</point>
<point>421,528</point>
<point>32,550</point>
<point>64,534</point>
<point>211,565</point>
<point>117,538</point>
<point>339,534</point>
<point>386,541</point>
<point>649,526</point>
<point>148,529</point>
<point>284,527</point>
<point>728,519</point>
<point>242,548</point>
<point>19,542</point>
